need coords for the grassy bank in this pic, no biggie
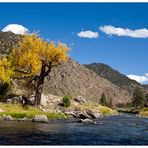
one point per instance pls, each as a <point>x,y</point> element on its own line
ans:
<point>105,111</point>
<point>144,112</point>
<point>18,111</point>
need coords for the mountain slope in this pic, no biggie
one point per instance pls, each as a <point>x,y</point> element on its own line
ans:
<point>74,79</point>
<point>113,76</point>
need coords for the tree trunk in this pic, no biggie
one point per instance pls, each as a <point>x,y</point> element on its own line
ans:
<point>38,95</point>
<point>40,83</point>
<point>39,86</point>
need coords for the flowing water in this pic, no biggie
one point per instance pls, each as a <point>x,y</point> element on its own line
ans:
<point>117,130</point>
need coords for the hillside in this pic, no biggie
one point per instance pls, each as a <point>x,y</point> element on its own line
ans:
<point>73,79</point>
<point>113,76</point>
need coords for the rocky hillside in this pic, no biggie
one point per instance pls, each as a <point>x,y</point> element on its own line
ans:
<point>113,76</point>
<point>73,79</point>
<point>7,41</point>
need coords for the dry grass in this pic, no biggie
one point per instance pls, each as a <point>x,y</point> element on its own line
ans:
<point>144,112</point>
<point>106,111</point>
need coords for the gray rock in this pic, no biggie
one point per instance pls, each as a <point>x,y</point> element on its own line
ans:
<point>7,117</point>
<point>83,115</point>
<point>16,99</point>
<point>29,100</point>
<point>80,100</point>
<point>40,118</point>
<point>88,121</point>
<point>93,114</point>
<point>71,113</point>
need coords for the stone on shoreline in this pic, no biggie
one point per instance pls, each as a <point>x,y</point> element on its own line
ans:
<point>40,118</point>
<point>93,114</point>
<point>83,115</point>
<point>71,113</point>
<point>23,119</point>
<point>89,121</point>
<point>7,117</point>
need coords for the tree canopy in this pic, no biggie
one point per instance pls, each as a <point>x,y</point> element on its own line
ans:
<point>32,59</point>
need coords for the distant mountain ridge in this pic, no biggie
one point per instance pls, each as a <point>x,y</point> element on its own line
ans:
<point>113,76</point>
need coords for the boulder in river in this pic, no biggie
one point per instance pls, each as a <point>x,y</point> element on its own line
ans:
<point>40,118</point>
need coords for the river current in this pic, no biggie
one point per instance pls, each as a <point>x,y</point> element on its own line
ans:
<point>123,129</point>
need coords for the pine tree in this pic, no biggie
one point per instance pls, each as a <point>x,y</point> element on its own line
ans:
<point>104,100</point>
<point>138,99</point>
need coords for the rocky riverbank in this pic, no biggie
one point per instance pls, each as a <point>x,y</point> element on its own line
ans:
<point>52,108</point>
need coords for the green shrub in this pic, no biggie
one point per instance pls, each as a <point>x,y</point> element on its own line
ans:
<point>103,100</point>
<point>66,101</point>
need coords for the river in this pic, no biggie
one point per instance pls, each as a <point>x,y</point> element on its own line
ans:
<point>124,129</point>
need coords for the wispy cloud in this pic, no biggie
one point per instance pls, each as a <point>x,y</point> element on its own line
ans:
<point>15,28</point>
<point>140,79</point>
<point>88,34</point>
<point>111,30</point>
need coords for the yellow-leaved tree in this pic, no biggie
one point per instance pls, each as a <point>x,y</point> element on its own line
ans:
<point>33,60</point>
<point>6,71</point>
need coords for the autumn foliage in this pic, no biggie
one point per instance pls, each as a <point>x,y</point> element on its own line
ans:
<point>33,60</point>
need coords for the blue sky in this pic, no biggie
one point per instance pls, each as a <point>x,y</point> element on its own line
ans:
<point>126,52</point>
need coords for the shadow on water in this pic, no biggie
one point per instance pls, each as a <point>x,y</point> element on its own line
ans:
<point>124,129</point>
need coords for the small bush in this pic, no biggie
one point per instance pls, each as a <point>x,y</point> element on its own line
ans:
<point>66,101</point>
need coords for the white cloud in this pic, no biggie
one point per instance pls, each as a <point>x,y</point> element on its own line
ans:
<point>15,28</point>
<point>111,30</point>
<point>88,34</point>
<point>140,79</point>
